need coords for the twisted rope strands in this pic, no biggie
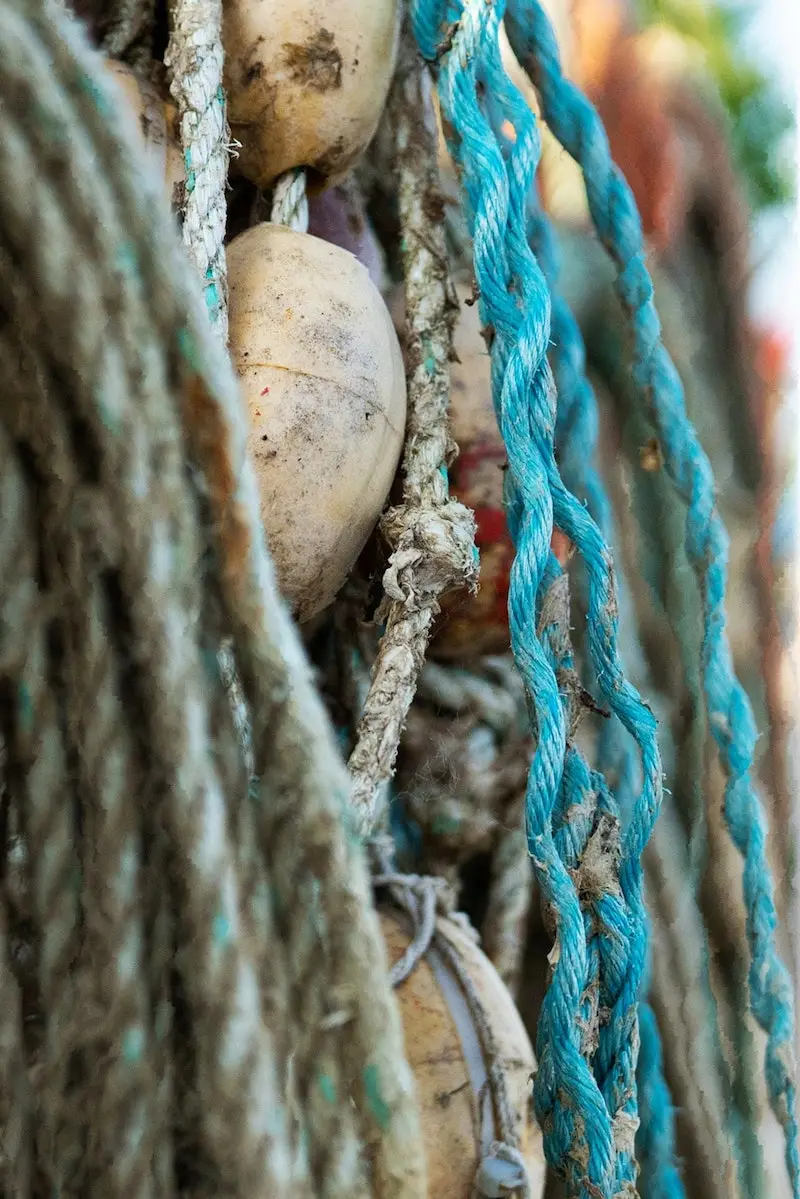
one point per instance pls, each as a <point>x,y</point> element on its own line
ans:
<point>126,1123</point>
<point>578,128</point>
<point>194,58</point>
<point>524,399</point>
<point>587,837</point>
<point>431,535</point>
<point>36,761</point>
<point>344,1119</point>
<point>619,693</point>
<point>625,702</point>
<point>197,801</point>
<point>199,75</point>
<point>576,441</point>
<point>301,804</point>
<point>301,829</point>
<point>16,1123</point>
<point>290,202</point>
<point>234,1063</point>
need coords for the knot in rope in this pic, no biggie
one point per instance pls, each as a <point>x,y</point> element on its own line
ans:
<point>502,1173</point>
<point>433,551</point>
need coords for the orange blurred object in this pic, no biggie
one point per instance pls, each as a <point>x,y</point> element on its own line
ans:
<point>644,140</point>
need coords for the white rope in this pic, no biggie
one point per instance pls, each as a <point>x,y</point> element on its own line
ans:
<point>290,202</point>
<point>194,58</point>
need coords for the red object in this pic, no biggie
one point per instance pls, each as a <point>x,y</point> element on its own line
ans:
<point>478,624</point>
<point>644,142</point>
<point>772,355</point>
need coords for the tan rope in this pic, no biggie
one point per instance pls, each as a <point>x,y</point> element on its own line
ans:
<point>99,274</point>
<point>431,535</point>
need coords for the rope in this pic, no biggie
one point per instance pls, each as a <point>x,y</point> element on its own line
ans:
<point>461,777</point>
<point>619,1066</point>
<point>578,128</point>
<point>128,365</point>
<point>431,536</point>
<point>194,59</point>
<point>290,202</point>
<point>576,439</point>
<point>525,402</point>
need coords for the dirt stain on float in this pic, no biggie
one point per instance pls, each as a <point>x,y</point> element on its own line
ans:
<point>315,63</point>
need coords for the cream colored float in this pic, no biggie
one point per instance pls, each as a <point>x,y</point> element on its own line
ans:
<point>157,122</point>
<point>443,1047</point>
<point>306,82</point>
<point>314,346</point>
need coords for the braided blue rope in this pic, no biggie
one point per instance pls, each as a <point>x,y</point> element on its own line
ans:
<point>514,302</point>
<point>576,442</point>
<point>618,1049</point>
<point>478,155</point>
<point>579,129</point>
<point>583,803</point>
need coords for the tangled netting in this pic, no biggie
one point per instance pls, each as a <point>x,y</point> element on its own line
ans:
<point>207,1005</point>
<point>586,1094</point>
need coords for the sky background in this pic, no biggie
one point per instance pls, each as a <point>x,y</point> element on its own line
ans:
<point>774,39</point>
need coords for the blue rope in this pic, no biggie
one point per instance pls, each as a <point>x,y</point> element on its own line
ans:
<point>586,810</point>
<point>514,301</point>
<point>577,427</point>
<point>579,129</point>
<point>659,1178</point>
<point>576,441</point>
<point>497,200</point>
<point>617,1052</point>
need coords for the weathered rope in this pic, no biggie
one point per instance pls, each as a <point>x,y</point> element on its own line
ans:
<point>602,624</point>
<point>290,201</point>
<point>194,59</point>
<point>525,403</point>
<point>602,627</point>
<point>576,442</point>
<point>578,128</point>
<point>431,535</point>
<point>98,739</point>
<point>100,265</point>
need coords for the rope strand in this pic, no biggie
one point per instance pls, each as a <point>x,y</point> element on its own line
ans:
<point>613,209</point>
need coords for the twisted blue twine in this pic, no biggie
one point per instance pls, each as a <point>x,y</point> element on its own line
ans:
<point>514,301</point>
<point>577,428</point>
<point>579,129</point>
<point>576,442</point>
<point>497,200</point>
<point>618,1049</point>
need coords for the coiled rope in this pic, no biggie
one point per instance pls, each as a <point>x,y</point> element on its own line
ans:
<point>117,365</point>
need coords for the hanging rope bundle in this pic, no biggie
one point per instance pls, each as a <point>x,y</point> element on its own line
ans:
<point>114,385</point>
<point>471,41</point>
